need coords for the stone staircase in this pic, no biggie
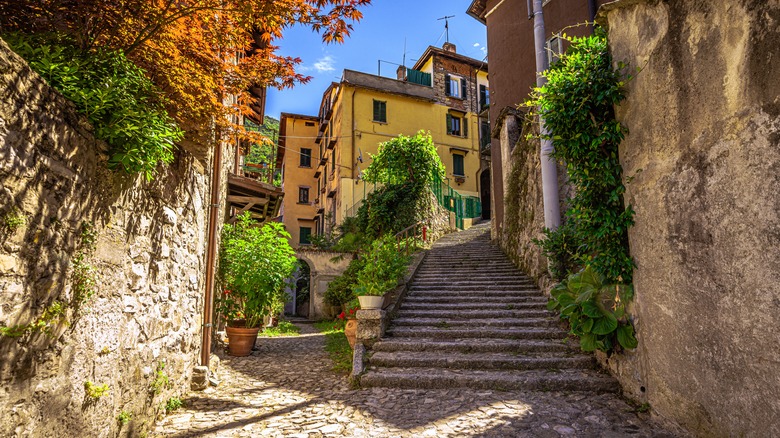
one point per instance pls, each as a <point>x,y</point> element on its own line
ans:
<point>472,320</point>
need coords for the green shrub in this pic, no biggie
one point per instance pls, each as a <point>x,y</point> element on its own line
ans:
<point>160,381</point>
<point>561,249</point>
<point>52,315</point>
<point>123,418</point>
<point>384,266</point>
<point>12,220</point>
<point>285,328</point>
<point>94,391</point>
<point>122,104</point>
<point>596,311</point>
<point>340,289</point>
<point>173,404</point>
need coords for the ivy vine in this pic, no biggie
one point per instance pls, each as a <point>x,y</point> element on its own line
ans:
<point>577,104</point>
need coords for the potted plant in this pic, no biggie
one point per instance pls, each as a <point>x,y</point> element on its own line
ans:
<point>254,263</point>
<point>350,321</point>
<point>382,269</point>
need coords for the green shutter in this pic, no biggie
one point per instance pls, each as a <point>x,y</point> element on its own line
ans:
<point>465,123</point>
<point>383,111</point>
<point>463,87</point>
<point>447,91</point>
<point>449,124</point>
<point>457,165</point>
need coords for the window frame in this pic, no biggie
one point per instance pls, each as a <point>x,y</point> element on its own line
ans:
<point>304,155</point>
<point>462,131</point>
<point>301,234</point>
<point>462,159</point>
<point>379,111</point>
<point>303,194</point>
<point>553,55</point>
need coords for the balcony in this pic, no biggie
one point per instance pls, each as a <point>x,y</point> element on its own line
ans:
<point>261,200</point>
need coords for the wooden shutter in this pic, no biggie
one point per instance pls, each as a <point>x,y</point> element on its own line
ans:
<point>464,121</point>
<point>464,84</point>
<point>447,91</point>
<point>449,124</point>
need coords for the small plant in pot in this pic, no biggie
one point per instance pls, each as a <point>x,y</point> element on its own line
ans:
<point>253,265</point>
<point>384,266</point>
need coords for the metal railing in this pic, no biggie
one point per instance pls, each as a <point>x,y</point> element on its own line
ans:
<point>464,207</point>
<point>411,238</point>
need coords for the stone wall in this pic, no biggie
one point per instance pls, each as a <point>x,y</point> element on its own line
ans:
<point>704,150</point>
<point>149,262</point>
<point>324,266</point>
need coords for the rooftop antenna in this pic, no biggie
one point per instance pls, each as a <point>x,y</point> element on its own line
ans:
<point>404,61</point>
<point>446,19</point>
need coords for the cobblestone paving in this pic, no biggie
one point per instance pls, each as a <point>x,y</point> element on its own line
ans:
<point>286,389</point>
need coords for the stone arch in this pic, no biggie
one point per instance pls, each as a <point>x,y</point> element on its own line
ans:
<point>324,267</point>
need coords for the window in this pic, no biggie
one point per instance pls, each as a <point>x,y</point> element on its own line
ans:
<point>333,163</point>
<point>303,195</point>
<point>457,165</point>
<point>455,87</point>
<point>554,48</point>
<point>309,123</point>
<point>484,97</point>
<point>457,126</point>
<point>305,236</point>
<point>380,111</point>
<point>305,157</point>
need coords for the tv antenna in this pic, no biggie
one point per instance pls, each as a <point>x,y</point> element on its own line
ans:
<point>446,19</point>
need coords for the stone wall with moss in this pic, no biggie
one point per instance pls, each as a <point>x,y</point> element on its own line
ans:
<point>137,329</point>
<point>703,149</point>
<point>523,204</point>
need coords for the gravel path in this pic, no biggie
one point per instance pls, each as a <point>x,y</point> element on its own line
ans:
<point>286,389</point>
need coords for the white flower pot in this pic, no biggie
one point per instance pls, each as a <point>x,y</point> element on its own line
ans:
<point>371,302</point>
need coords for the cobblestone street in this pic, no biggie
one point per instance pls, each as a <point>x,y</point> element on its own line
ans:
<point>286,389</point>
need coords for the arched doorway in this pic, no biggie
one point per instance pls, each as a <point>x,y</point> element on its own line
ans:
<point>484,193</point>
<point>300,291</point>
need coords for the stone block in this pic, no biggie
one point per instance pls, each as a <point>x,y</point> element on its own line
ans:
<point>200,378</point>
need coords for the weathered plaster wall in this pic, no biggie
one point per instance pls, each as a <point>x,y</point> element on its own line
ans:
<point>325,266</point>
<point>704,147</point>
<point>149,261</point>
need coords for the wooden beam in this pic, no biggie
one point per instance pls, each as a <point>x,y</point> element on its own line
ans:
<point>247,199</point>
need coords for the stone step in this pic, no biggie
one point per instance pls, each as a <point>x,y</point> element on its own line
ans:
<point>472,314</point>
<point>527,380</point>
<point>473,287</point>
<point>465,281</point>
<point>531,303</point>
<point>529,296</point>
<point>471,345</point>
<point>478,322</point>
<point>468,277</point>
<point>470,293</point>
<point>485,361</point>
<point>459,332</point>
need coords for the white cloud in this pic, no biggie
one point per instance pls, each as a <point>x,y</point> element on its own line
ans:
<point>325,64</point>
<point>476,44</point>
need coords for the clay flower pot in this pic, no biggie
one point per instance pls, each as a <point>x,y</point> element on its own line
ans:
<point>350,330</point>
<point>241,340</point>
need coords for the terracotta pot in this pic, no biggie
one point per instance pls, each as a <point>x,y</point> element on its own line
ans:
<point>371,302</point>
<point>350,330</point>
<point>241,340</point>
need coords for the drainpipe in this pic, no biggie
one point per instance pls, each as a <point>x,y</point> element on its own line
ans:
<point>208,296</point>
<point>592,14</point>
<point>552,214</point>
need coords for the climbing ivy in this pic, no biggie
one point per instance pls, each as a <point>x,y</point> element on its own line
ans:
<point>577,104</point>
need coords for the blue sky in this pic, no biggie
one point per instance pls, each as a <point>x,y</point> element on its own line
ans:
<point>379,35</point>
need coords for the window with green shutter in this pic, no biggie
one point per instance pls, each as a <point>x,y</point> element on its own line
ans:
<point>457,165</point>
<point>380,111</point>
<point>305,236</point>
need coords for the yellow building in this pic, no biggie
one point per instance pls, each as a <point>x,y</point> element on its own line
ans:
<point>296,141</point>
<point>443,94</point>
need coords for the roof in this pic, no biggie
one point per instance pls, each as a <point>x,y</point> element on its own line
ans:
<point>431,51</point>
<point>477,10</point>
<point>387,85</point>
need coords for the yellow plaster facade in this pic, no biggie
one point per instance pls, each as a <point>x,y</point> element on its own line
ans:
<point>296,134</point>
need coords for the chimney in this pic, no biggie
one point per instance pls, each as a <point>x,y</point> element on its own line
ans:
<point>401,73</point>
<point>449,47</point>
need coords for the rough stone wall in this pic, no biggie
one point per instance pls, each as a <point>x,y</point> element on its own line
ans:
<point>149,261</point>
<point>524,202</point>
<point>704,150</point>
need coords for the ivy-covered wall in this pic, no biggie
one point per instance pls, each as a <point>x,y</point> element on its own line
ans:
<point>101,273</point>
<point>703,148</point>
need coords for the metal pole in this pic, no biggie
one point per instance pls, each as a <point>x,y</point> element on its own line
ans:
<point>552,213</point>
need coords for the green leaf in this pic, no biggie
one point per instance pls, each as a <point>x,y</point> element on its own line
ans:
<point>626,338</point>
<point>591,309</point>
<point>588,342</point>
<point>605,325</point>
<point>587,325</point>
